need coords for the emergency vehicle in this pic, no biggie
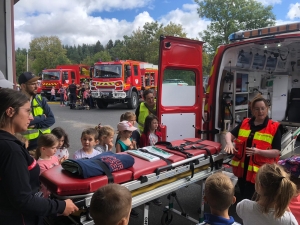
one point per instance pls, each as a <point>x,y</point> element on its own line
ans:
<point>63,75</point>
<point>122,81</point>
<point>264,61</point>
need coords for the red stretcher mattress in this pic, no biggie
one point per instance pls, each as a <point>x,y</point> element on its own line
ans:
<point>63,183</point>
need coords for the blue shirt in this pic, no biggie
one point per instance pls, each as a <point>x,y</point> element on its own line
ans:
<point>210,219</point>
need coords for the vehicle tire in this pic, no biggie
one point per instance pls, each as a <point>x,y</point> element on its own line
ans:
<point>102,104</point>
<point>133,101</point>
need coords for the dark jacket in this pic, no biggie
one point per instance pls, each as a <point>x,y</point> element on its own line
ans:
<point>19,183</point>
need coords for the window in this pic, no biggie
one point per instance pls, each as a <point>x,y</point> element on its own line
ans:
<point>73,75</point>
<point>136,71</point>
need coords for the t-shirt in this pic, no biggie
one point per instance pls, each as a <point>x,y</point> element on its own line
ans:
<point>46,164</point>
<point>295,207</point>
<point>79,154</point>
<point>124,147</point>
<point>210,219</point>
<point>153,139</point>
<point>62,152</point>
<point>251,213</point>
<point>102,148</point>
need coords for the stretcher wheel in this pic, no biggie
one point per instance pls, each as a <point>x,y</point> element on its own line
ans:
<point>167,217</point>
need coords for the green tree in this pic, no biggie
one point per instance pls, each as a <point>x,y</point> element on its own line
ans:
<point>46,52</point>
<point>228,16</point>
<point>98,47</point>
<point>21,61</point>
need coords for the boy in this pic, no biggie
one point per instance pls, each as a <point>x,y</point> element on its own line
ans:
<point>111,205</point>
<point>219,195</point>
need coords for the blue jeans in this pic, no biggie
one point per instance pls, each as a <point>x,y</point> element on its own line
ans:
<point>52,98</point>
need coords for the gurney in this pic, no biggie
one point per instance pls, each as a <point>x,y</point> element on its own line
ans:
<point>192,160</point>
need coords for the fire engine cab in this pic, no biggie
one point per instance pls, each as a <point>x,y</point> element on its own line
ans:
<point>122,81</point>
<point>262,62</point>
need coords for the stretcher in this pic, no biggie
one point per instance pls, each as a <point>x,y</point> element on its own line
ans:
<point>192,160</point>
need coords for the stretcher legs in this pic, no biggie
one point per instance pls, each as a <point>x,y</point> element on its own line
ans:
<point>146,213</point>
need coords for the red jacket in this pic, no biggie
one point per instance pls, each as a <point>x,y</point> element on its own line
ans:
<point>144,140</point>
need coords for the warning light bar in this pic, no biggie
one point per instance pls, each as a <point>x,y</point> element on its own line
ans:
<point>264,31</point>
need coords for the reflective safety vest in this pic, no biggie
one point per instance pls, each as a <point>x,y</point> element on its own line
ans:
<point>262,140</point>
<point>37,110</point>
<point>144,112</point>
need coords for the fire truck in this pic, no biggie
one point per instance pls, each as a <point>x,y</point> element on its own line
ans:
<point>262,62</point>
<point>63,75</point>
<point>122,81</point>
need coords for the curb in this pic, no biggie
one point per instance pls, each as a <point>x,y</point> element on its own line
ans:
<point>53,103</point>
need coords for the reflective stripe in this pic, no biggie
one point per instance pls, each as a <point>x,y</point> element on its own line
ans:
<point>244,133</point>
<point>235,163</point>
<point>255,169</point>
<point>263,137</point>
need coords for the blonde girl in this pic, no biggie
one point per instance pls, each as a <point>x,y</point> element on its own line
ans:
<point>274,191</point>
<point>106,136</point>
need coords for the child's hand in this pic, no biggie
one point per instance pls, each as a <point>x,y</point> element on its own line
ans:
<point>131,146</point>
<point>62,159</point>
<point>110,146</point>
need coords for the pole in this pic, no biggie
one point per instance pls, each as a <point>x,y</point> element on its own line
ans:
<point>27,59</point>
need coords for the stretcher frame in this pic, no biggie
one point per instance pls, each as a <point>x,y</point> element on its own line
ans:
<point>169,180</point>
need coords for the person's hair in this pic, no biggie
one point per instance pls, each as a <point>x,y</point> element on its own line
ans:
<point>105,131</point>
<point>219,191</point>
<point>90,131</point>
<point>45,140</point>
<point>148,121</point>
<point>277,188</point>
<point>128,116</point>
<point>59,133</point>
<point>21,138</point>
<point>10,98</point>
<point>146,92</point>
<point>258,99</point>
<point>110,203</point>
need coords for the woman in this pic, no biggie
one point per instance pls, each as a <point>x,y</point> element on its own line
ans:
<point>19,172</point>
<point>257,141</point>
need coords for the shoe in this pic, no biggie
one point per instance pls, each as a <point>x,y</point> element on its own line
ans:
<point>61,105</point>
<point>134,213</point>
<point>157,202</point>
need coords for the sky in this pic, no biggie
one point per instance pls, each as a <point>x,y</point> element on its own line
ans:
<point>87,21</point>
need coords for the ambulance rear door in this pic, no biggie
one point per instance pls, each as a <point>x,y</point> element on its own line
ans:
<point>180,88</point>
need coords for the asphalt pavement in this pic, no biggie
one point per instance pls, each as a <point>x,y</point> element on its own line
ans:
<point>75,121</point>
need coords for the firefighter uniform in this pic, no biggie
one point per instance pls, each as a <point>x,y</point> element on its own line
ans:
<point>141,113</point>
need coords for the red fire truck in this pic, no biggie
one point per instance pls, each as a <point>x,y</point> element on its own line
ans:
<point>263,62</point>
<point>63,75</point>
<point>122,81</point>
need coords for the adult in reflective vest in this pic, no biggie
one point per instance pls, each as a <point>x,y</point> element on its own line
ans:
<point>145,108</point>
<point>257,141</point>
<point>43,117</point>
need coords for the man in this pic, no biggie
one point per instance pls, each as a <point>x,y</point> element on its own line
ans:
<point>43,117</point>
<point>72,89</point>
<point>5,83</point>
<point>145,108</point>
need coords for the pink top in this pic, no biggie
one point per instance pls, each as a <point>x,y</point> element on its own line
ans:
<point>295,207</point>
<point>52,91</point>
<point>46,164</point>
<point>86,94</point>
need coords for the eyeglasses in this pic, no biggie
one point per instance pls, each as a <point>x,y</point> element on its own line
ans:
<point>260,109</point>
<point>28,110</point>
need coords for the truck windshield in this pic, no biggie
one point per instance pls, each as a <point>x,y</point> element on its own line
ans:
<point>51,75</point>
<point>108,71</point>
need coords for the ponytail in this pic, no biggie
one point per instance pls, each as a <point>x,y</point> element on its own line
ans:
<point>277,189</point>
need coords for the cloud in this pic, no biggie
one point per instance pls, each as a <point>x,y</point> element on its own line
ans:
<point>294,11</point>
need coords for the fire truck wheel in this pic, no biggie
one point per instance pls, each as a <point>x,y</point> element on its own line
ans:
<point>133,101</point>
<point>102,104</point>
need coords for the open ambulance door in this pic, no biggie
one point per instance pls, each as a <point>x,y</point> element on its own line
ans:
<point>180,88</point>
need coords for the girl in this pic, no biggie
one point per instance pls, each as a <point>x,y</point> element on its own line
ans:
<point>150,134</point>
<point>63,143</point>
<point>62,92</point>
<point>274,191</point>
<point>106,136</point>
<point>89,139</point>
<point>45,152</point>
<point>125,142</point>
<point>131,117</point>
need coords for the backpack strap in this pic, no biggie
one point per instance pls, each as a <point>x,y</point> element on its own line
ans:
<point>105,170</point>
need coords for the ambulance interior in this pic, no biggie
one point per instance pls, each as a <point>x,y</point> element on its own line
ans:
<point>270,69</point>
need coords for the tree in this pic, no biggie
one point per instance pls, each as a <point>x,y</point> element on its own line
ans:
<point>228,16</point>
<point>98,47</point>
<point>21,62</point>
<point>46,52</point>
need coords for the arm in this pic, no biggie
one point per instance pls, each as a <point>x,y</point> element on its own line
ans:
<point>43,167</point>
<point>118,148</point>
<point>229,148</point>
<point>143,141</point>
<point>46,120</point>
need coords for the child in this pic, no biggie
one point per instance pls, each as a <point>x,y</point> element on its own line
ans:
<point>106,136</point>
<point>274,192</point>
<point>292,165</point>
<point>150,134</point>
<point>131,117</point>
<point>53,98</point>
<point>111,203</point>
<point>89,139</point>
<point>45,152</point>
<point>219,195</point>
<point>63,143</point>
<point>125,142</point>
<point>62,92</point>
